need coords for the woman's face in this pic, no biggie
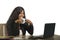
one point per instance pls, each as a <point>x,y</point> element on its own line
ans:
<point>21,14</point>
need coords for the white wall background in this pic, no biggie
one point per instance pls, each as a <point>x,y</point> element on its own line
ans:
<point>38,11</point>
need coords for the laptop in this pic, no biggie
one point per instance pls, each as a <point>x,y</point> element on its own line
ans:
<point>48,31</point>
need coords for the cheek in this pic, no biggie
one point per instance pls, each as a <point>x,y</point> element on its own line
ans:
<point>23,14</point>
<point>20,15</point>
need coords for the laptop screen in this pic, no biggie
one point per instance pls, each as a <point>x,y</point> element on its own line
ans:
<point>49,29</point>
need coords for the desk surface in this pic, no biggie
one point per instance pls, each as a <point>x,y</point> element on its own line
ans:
<point>55,37</point>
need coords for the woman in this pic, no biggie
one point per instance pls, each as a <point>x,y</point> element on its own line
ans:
<point>18,21</point>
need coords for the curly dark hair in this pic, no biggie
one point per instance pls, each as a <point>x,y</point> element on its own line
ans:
<point>15,13</point>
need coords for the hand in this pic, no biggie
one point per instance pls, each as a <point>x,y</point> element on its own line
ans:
<point>28,21</point>
<point>18,21</point>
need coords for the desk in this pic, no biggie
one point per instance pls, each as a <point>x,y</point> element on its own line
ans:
<point>55,37</point>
